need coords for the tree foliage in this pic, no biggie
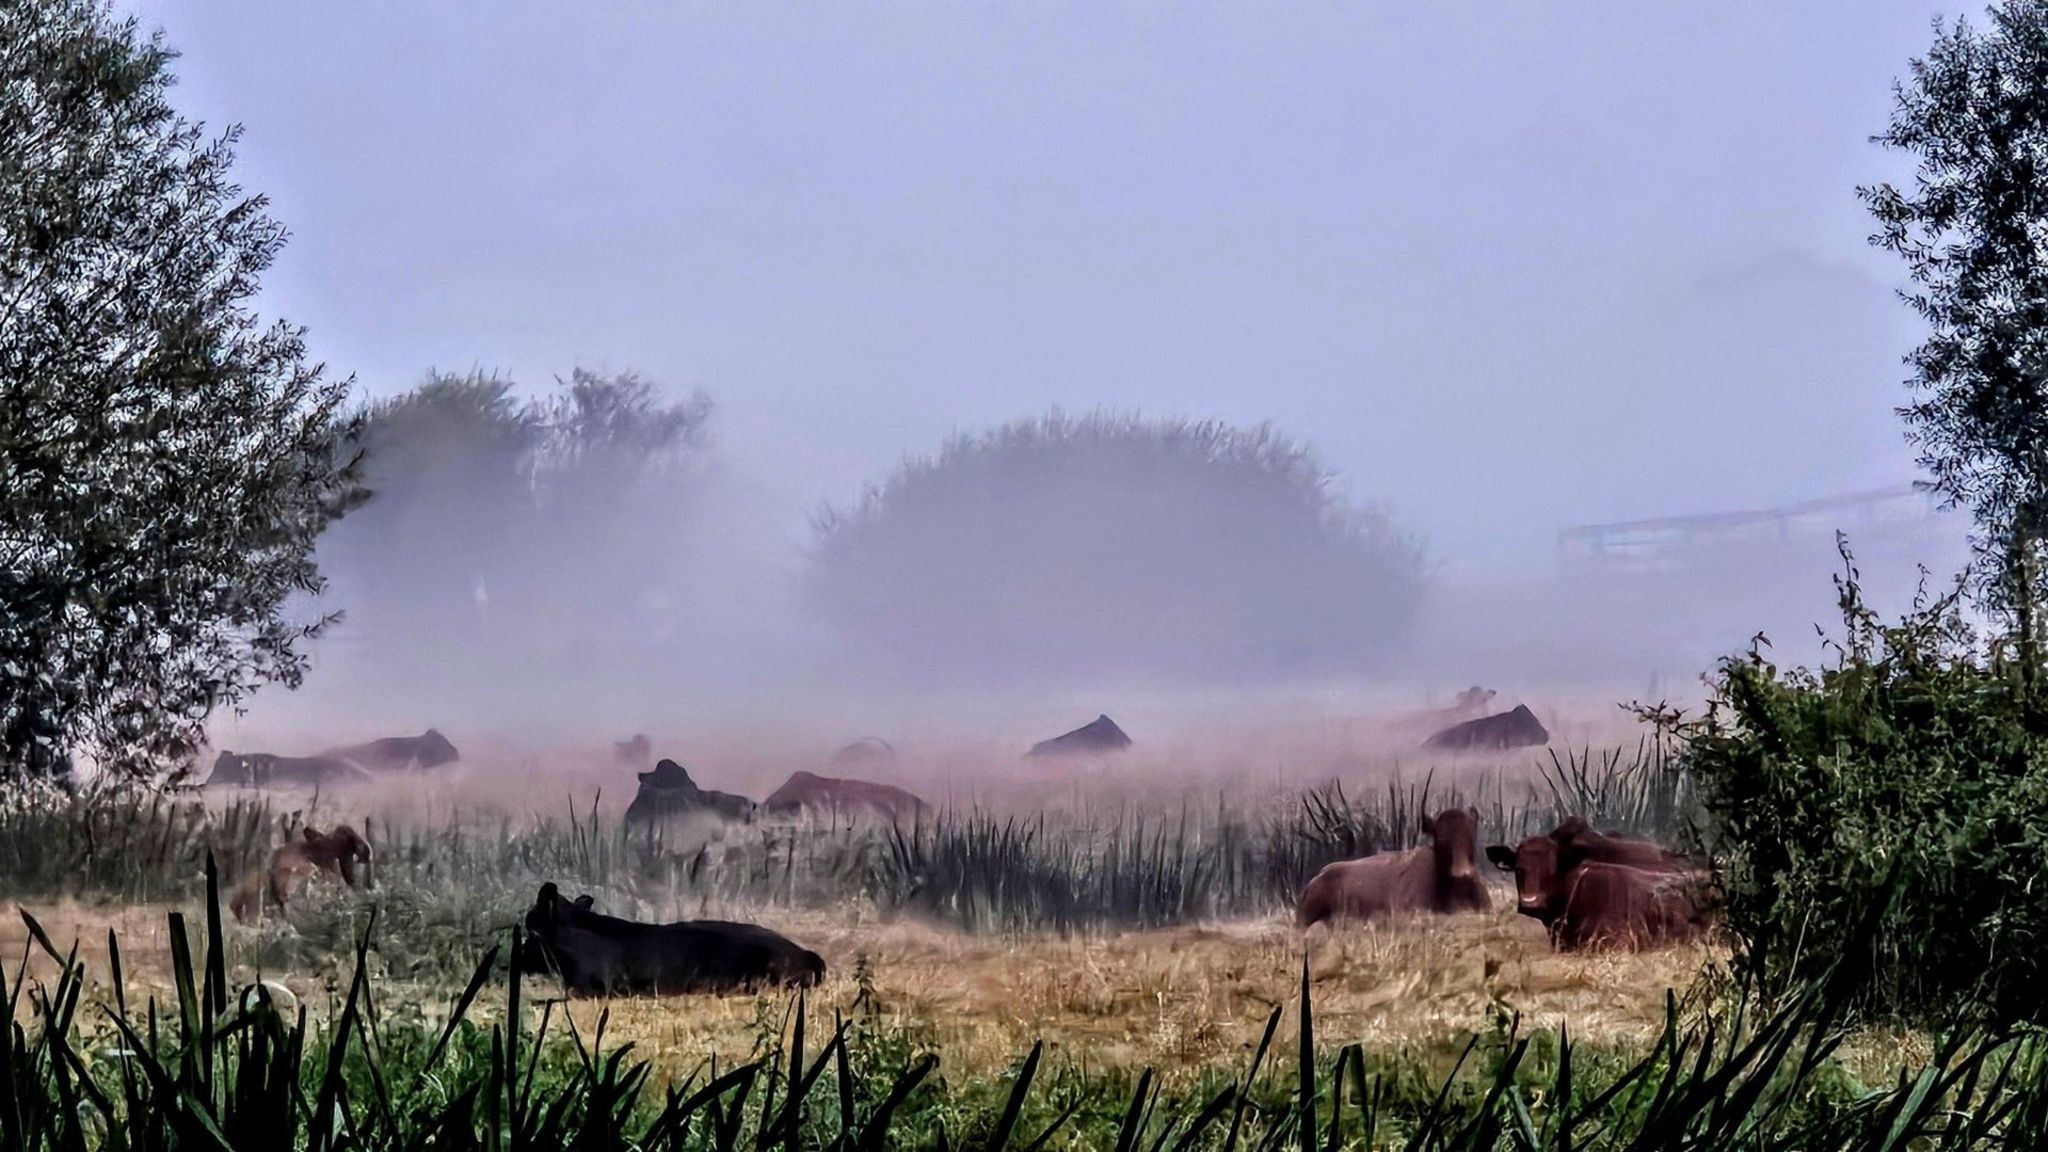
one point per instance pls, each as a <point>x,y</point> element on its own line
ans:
<point>1117,544</point>
<point>167,459</point>
<point>497,515</point>
<point>1971,229</point>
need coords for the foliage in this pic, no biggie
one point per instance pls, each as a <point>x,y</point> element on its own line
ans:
<point>1117,543</point>
<point>486,507</point>
<point>1975,116</point>
<point>1908,776</point>
<point>167,460</point>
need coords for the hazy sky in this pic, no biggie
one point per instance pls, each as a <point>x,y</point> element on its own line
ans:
<point>1510,266</point>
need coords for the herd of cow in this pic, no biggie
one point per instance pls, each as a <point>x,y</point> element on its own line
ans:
<point>1589,890</point>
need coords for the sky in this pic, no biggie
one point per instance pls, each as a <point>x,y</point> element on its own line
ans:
<point>1510,267</point>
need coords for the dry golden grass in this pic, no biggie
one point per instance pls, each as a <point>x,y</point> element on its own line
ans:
<point>1176,1000</point>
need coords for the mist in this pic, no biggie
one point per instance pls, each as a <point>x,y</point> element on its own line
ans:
<point>1504,272</point>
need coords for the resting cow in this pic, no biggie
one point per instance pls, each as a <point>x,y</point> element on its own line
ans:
<point>808,792</point>
<point>668,794</point>
<point>336,853</point>
<point>598,955</point>
<point>430,749</point>
<point>1612,906</point>
<point>263,770</point>
<point>866,752</point>
<point>1098,736</point>
<point>1442,877</point>
<point>1591,890</point>
<point>637,751</point>
<point>1516,728</point>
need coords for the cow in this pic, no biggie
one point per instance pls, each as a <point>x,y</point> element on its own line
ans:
<point>1100,735</point>
<point>1589,890</point>
<point>808,792</point>
<point>599,955</point>
<point>1615,907</point>
<point>338,852</point>
<point>1442,877</point>
<point>866,752</point>
<point>637,751</point>
<point>430,749</point>
<point>1518,728</point>
<point>1473,701</point>
<point>263,770</point>
<point>668,792</point>
<point>1577,840</point>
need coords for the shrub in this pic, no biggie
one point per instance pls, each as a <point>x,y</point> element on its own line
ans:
<point>1904,782</point>
<point>1119,544</point>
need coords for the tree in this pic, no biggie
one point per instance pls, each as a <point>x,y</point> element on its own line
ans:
<point>1118,545</point>
<point>167,459</point>
<point>447,468</point>
<point>500,524</point>
<point>1971,229</point>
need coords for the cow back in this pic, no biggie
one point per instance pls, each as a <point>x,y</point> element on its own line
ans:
<point>1612,906</point>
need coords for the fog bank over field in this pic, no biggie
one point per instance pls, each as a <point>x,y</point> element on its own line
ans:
<point>1505,272</point>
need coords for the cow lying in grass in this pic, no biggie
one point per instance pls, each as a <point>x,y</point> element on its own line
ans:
<point>263,770</point>
<point>338,853</point>
<point>1441,877</point>
<point>807,793</point>
<point>430,749</point>
<point>599,955</point>
<point>1592,891</point>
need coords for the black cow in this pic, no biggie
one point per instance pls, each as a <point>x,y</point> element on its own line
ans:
<point>1097,736</point>
<point>263,770</point>
<point>1518,728</point>
<point>429,749</point>
<point>668,793</point>
<point>599,955</point>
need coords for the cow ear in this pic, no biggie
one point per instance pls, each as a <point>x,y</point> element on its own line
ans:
<point>586,901</point>
<point>1428,825</point>
<point>1503,857</point>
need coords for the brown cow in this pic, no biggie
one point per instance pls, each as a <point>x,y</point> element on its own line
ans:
<point>826,795</point>
<point>1577,841</point>
<point>1443,877</point>
<point>336,853</point>
<point>1589,889</point>
<point>1612,906</point>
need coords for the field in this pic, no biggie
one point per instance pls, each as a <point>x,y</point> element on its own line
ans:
<point>1126,937</point>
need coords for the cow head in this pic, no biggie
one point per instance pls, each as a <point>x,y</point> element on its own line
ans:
<point>1538,865</point>
<point>536,943</point>
<point>549,914</point>
<point>1454,837</point>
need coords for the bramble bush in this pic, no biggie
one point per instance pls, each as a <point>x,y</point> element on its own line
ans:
<point>1903,783</point>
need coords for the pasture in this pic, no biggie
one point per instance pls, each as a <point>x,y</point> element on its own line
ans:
<point>1127,941</point>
